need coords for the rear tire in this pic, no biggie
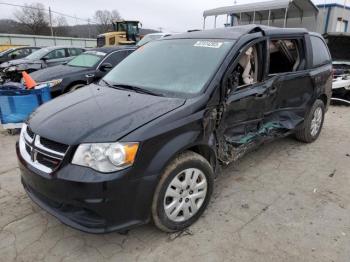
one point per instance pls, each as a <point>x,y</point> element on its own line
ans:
<point>313,123</point>
<point>183,192</point>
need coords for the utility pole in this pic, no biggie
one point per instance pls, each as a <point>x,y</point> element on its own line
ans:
<point>89,28</point>
<point>50,16</point>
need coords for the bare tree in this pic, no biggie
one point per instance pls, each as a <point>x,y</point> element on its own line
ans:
<point>61,26</point>
<point>115,15</point>
<point>34,17</point>
<point>104,19</point>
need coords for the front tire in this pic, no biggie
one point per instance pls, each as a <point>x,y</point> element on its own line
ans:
<point>75,87</point>
<point>183,192</point>
<point>313,123</point>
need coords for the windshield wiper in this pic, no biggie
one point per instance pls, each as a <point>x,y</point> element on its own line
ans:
<point>136,89</point>
<point>106,83</point>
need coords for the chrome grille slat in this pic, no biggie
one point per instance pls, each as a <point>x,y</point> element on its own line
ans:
<point>38,155</point>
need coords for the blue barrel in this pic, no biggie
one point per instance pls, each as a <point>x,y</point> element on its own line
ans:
<point>17,105</point>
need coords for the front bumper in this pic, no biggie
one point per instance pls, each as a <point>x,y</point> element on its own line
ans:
<point>93,207</point>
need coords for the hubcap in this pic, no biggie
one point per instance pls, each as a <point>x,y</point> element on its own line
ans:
<point>185,195</point>
<point>316,121</point>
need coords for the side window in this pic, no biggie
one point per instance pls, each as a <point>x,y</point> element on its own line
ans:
<point>286,56</point>
<point>111,41</point>
<point>248,70</point>
<point>116,57</point>
<point>74,51</point>
<point>320,51</point>
<point>19,53</point>
<point>56,54</point>
<point>26,51</point>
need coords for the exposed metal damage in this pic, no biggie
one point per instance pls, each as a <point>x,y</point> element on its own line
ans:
<point>233,146</point>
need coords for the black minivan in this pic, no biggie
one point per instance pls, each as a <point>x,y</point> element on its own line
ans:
<point>145,143</point>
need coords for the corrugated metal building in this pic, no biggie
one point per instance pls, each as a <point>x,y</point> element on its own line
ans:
<point>333,17</point>
<point>323,18</point>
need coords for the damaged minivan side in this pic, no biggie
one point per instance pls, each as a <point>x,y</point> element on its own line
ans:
<point>144,144</point>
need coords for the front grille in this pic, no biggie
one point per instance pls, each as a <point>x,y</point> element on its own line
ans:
<point>30,132</point>
<point>48,161</point>
<point>42,153</point>
<point>52,145</point>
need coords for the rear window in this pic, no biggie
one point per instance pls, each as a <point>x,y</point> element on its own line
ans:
<point>320,51</point>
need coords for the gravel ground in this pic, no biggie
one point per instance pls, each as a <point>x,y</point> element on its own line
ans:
<point>287,201</point>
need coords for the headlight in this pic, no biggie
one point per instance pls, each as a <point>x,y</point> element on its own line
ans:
<point>106,157</point>
<point>55,82</point>
<point>11,69</point>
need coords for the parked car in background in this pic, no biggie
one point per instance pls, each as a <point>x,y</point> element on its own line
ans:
<point>88,66</point>
<point>151,37</point>
<point>338,43</point>
<point>145,142</point>
<point>16,53</point>
<point>45,57</point>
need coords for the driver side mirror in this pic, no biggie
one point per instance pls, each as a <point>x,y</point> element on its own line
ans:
<point>106,67</point>
<point>44,59</point>
<point>13,56</point>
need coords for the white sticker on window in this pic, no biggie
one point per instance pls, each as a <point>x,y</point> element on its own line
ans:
<point>209,44</point>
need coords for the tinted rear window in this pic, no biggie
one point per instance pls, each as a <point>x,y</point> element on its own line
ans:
<point>320,51</point>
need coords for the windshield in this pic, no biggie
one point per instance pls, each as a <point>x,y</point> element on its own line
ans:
<point>148,38</point>
<point>180,66</point>
<point>88,59</point>
<point>38,54</point>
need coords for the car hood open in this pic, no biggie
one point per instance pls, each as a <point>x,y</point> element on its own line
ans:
<point>57,72</point>
<point>98,114</point>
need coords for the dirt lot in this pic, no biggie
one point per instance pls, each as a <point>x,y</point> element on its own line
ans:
<point>285,202</point>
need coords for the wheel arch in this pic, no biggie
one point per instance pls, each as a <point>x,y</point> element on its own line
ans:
<point>324,99</point>
<point>68,87</point>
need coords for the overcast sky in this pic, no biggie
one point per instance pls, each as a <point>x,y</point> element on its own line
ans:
<point>171,15</point>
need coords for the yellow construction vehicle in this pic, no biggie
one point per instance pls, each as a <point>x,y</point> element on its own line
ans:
<point>126,32</point>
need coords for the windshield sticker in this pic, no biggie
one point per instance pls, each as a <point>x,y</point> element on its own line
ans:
<point>208,44</point>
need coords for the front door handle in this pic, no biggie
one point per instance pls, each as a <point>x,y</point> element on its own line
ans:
<point>273,89</point>
<point>260,96</point>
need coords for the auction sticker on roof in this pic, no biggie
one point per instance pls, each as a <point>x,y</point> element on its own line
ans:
<point>209,44</point>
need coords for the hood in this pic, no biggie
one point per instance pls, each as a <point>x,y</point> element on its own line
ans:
<point>57,72</point>
<point>98,114</point>
<point>18,62</point>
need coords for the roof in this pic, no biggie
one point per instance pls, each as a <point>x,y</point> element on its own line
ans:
<point>236,32</point>
<point>108,50</point>
<point>62,46</point>
<point>330,5</point>
<point>161,34</point>
<point>296,8</point>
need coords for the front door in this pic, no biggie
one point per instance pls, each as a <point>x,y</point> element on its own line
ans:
<point>56,57</point>
<point>245,102</point>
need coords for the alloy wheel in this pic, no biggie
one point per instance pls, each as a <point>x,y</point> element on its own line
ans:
<point>316,121</point>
